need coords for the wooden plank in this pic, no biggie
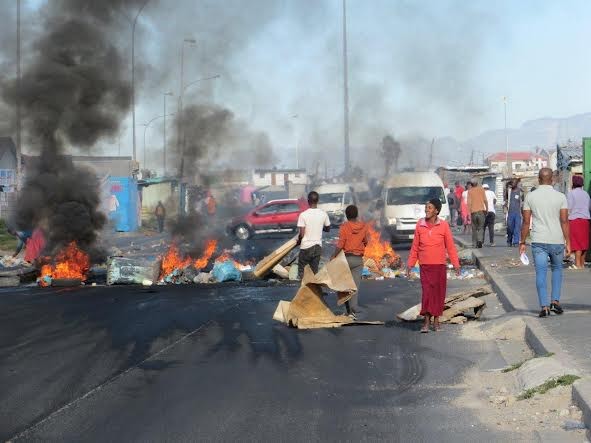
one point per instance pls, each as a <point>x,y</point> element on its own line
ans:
<point>267,263</point>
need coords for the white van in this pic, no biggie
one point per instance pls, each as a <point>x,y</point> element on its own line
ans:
<point>404,198</point>
<point>334,198</point>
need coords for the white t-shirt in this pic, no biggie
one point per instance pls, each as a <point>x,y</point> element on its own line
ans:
<point>314,220</point>
<point>465,196</point>
<point>490,198</point>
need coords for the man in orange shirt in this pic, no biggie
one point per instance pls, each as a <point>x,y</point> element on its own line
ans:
<point>478,208</point>
<point>353,237</point>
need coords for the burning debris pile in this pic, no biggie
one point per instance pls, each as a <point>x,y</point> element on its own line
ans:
<point>380,260</point>
<point>71,264</point>
<point>183,269</point>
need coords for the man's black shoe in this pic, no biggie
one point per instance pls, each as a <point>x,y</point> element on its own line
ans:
<point>556,308</point>
<point>545,312</point>
<point>479,244</point>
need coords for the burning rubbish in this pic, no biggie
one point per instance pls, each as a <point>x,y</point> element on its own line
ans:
<point>71,264</point>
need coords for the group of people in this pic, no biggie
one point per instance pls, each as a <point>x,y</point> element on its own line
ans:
<point>433,242</point>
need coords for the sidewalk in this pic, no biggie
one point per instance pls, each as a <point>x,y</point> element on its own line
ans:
<point>567,335</point>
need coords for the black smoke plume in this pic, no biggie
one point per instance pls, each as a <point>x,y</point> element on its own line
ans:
<point>74,91</point>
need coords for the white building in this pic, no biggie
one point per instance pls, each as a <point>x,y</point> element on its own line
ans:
<point>520,161</point>
<point>279,177</point>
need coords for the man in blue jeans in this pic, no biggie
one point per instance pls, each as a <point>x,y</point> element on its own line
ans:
<point>549,235</point>
<point>513,206</point>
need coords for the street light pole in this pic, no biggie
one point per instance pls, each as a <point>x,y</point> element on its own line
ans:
<point>165,94</point>
<point>345,89</point>
<point>146,126</point>
<point>191,41</point>
<point>508,165</point>
<point>133,73</point>
<point>297,143</point>
<point>18,95</point>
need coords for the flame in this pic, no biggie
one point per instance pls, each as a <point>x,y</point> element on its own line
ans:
<point>377,249</point>
<point>210,248</point>
<point>225,256</point>
<point>173,260</point>
<point>70,263</point>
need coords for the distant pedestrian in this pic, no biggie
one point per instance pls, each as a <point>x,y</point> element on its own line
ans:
<point>578,216</point>
<point>160,213</point>
<point>549,234</point>
<point>513,206</point>
<point>353,238</point>
<point>478,207</point>
<point>458,191</point>
<point>432,239</point>
<point>311,223</point>
<point>464,210</point>
<point>452,203</point>
<point>489,222</point>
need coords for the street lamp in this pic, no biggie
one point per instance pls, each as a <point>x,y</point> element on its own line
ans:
<point>297,142</point>
<point>146,126</point>
<point>133,73</point>
<point>164,94</point>
<point>509,167</point>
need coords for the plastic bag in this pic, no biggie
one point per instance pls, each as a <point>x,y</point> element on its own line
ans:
<point>226,271</point>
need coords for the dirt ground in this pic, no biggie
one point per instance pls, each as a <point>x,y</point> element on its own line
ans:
<point>493,394</point>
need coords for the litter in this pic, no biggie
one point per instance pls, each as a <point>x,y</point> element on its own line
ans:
<point>226,271</point>
<point>128,270</point>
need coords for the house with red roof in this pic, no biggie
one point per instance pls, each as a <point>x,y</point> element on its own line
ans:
<point>519,160</point>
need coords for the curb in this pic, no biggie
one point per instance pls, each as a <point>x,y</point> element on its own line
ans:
<point>536,337</point>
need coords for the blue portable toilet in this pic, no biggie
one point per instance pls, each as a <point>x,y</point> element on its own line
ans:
<point>124,203</point>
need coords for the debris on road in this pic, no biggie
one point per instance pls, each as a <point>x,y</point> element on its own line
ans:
<point>308,310</point>
<point>70,264</point>
<point>226,271</point>
<point>128,270</point>
<point>455,306</point>
<point>266,264</point>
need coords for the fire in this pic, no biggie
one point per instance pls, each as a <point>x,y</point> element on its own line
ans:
<point>173,260</point>
<point>69,263</point>
<point>225,256</point>
<point>210,248</point>
<point>377,249</point>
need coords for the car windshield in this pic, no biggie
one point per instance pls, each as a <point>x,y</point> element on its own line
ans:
<point>332,197</point>
<point>414,195</point>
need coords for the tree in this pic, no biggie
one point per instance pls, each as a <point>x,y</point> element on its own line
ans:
<point>390,153</point>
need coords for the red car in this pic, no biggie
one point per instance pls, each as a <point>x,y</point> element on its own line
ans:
<point>273,217</point>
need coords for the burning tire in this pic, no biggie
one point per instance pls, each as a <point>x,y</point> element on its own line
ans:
<point>242,232</point>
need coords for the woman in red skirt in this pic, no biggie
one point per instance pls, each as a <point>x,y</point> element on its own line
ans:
<point>433,238</point>
<point>578,220</point>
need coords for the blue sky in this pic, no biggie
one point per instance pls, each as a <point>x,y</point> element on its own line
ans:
<point>432,68</point>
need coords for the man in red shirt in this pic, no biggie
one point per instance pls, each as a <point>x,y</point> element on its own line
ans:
<point>353,238</point>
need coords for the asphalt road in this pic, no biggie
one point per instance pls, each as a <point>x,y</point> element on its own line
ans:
<point>184,363</point>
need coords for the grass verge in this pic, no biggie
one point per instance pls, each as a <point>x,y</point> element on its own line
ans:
<point>7,241</point>
<point>517,365</point>
<point>564,380</point>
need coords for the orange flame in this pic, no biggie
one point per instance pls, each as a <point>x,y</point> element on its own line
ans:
<point>377,249</point>
<point>210,248</point>
<point>70,263</point>
<point>173,260</point>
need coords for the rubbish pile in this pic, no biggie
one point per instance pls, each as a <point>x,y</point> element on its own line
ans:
<point>308,310</point>
<point>8,261</point>
<point>457,307</point>
<point>68,268</point>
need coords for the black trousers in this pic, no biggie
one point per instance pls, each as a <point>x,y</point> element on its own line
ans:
<point>489,223</point>
<point>310,256</point>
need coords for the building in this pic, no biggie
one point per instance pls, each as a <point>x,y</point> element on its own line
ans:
<point>7,164</point>
<point>569,162</point>
<point>279,177</point>
<point>520,161</point>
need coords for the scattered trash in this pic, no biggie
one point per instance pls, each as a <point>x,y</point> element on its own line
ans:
<point>267,263</point>
<point>203,277</point>
<point>293,272</point>
<point>147,282</point>
<point>280,271</point>
<point>226,271</point>
<point>8,261</point>
<point>570,425</point>
<point>132,270</point>
<point>455,305</point>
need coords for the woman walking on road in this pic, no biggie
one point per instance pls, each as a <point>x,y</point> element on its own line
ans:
<point>578,220</point>
<point>465,211</point>
<point>433,238</point>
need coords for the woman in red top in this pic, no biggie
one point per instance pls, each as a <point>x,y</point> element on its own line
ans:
<point>432,240</point>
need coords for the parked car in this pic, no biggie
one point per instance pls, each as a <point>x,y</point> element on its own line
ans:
<point>404,198</point>
<point>276,216</point>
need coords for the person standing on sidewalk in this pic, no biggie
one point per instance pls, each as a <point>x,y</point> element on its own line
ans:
<point>353,238</point>
<point>464,211</point>
<point>549,234</point>
<point>478,207</point>
<point>489,222</point>
<point>311,223</point>
<point>514,204</point>
<point>578,220</point>
<point>433,238</point>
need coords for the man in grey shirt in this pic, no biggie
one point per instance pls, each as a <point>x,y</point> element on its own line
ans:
<point>549,235</point>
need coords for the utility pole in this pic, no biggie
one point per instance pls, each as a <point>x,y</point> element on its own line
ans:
<point>165,94</point>
<point>431,153</point>
<point>345,89</point>
<point>507,161</point>
<point>18,94</point>
<point>133,74</point>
